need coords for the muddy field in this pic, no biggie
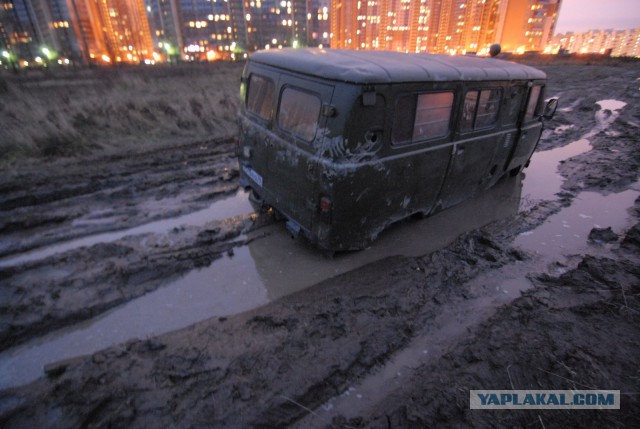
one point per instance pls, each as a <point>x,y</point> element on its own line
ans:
<point>140,289</point>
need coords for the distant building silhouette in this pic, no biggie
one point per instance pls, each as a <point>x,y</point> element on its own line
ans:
<point>617,43</point>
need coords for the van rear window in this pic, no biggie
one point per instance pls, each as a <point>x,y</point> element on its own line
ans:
<point>260,96</point>
<point>422,116</point>
<point>298,113</point>
<point>480,109</point>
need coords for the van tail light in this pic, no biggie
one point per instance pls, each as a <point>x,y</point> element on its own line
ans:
<point>236,141</point>
<point>325,209</point>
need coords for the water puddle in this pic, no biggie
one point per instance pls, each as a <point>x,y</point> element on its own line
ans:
<point>234,205</point>
<point>197,296</point>
<point>542,180</point>
<point>268,268</point>
<point>608,113</point>
<point>567,231</point>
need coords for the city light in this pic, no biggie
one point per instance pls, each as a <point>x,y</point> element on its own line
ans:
<point>128,32</point>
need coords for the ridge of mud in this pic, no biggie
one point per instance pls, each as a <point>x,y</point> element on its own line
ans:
<point>43,210</point>
<point>561,335</point>
<point>346,332</point>
<point>89,281</point>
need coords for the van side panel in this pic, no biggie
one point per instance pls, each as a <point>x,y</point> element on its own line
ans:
<point>378,183</point>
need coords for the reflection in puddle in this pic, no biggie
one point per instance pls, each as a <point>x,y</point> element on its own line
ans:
<point>542,180</point>
<point>222,209</point>
<point>268,268</point>
<point>228,286</point>
<point>304,266</point>
<point>567,231</point>
<point>608,113</point>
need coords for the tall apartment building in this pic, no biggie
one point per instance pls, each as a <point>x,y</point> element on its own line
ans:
<point>164,21</point>
<point>113,30</point>
<point>443,26</point>
<point>614,42</point>
<point>529,24</point>
<point>40,29</point>
<point>76,30</point>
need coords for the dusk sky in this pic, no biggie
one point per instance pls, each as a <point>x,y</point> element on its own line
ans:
<point>582,15</point>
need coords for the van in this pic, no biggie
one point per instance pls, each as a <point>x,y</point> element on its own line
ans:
<point>344,143</point>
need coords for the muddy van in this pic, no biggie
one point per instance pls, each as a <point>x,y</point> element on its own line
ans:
<point>344,143</point>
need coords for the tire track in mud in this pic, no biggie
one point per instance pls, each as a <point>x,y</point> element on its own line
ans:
<point>270,366</point>
<point>69,200</point>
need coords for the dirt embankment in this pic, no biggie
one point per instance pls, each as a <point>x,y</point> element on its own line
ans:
<point>282,363</point>
<point>71,113</point>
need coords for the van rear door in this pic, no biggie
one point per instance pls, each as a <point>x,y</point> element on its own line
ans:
<point>299,126</point>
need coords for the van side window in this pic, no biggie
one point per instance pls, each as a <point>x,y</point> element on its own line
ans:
<point>480,109</point>
<point>422,116</point>
<point>532,104</point>
<point>298,113</point>
<point>260,96</point>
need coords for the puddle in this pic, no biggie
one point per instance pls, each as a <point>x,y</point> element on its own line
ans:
<point>197,296</point>
<point>542,180</point>
<point>567,231</point>
<point>608,113</point>
<point>306,267</point>
<point>254,276</point>
<point>222,209</point>
<point>256,273</point>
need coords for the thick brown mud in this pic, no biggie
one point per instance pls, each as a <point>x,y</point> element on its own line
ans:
<point>540,297</point>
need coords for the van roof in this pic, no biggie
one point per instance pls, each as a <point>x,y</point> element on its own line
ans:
<point>370,67</point>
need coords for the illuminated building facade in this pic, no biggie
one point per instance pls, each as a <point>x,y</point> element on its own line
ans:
<point>113,30</point>
<point>164,20</point>
<point>37,30</point>
<point>528,24</point>
<point>617,43</point>
<point>443,26</point>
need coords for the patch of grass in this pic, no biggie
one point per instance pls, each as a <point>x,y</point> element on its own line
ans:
<point>67,113</point>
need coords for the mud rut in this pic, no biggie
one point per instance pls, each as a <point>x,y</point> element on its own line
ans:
<point>296,357</point>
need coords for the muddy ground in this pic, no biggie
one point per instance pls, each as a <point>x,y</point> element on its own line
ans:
<point>398,342</point>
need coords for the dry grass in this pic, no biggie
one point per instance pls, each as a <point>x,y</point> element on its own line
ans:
<point>68,113</point>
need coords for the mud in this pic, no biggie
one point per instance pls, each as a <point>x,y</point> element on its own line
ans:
<point>395,337</point>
